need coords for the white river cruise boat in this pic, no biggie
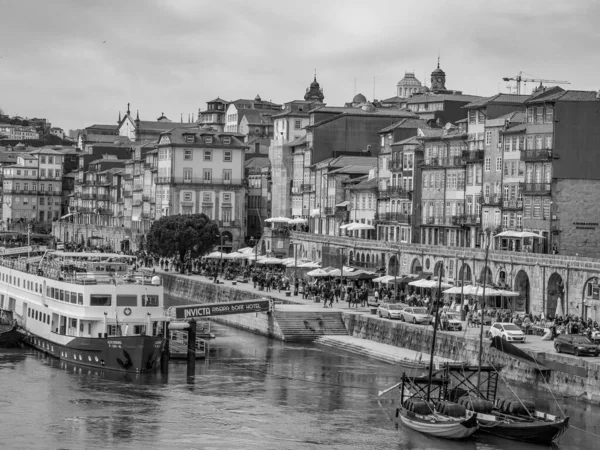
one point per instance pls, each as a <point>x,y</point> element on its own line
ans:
<point>86,308</point>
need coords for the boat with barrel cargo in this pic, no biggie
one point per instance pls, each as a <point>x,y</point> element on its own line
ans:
<point>86,308</point>
<point>424,404</point>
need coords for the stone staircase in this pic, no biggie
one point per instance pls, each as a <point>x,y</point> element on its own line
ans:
<point>306,326</point>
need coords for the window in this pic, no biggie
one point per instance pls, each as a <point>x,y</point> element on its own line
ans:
<point>472,116</point>
<point>506,167</point>
<point>539,114</point>
<point>537,207</point>
<point>206,197</point>
<point>227,176</point>
<point>226,198</point>
<point>208,139</point>
<point>149,300</point>
<point>187,175</point>
<point>207,155</point>
<point>549,117</point>
<point>226,140</point>
<point>480,116</point>
<point>478,175</point>
<point>57,173</point>
<point>539,142</point>
<point>530,143</point>
<point>488,138</point>
<point>499,164</point>
<point>187,155</point>
<point>297,124</point>
<point>207,175</point>
<point>100,300</point>
<point>50,160</point>
<point>187,196</point>
<point>189,138</point>
<point>530,114</point>
<point>43,159</point>
<point>549,142</point>
<point>126,300</point>
<point>227,156</point>
<point>226,214</point>
<point>488,164</point>
<point>42,173</point>
<point>470,175</point>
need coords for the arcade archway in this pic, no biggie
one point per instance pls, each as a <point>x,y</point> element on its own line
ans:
<point>485,277</point>
<point>465,275</point>
<point>555,294</point>
<point>522,286</point>
<point>394,266</point>
<point>416,266</point>
<point>438,269</point>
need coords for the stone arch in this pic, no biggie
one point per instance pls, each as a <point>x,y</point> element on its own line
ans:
<point>350,256</point>
<point>502,277</point>
<point>590,297</point>
<point>362,258</point>
<point>416,266</point>
<point>393,266</point>
<point>465,275</point>
<point>555,294</point>
<point>263,248</point>
<point>485,277</point>
<point>439,269</point>
<point>522,286</point>
<point>368,258</point>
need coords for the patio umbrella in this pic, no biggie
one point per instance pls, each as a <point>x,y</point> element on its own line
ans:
<point>310,265</point>
<point>234,255</point>
<point>297,220</point>
<point>278,220</point>
<point>214,255</point>
<point>318,273</point>
<point>453,290</point>
<point>346,225</point>
<point>361,275</point>
<point>434,284</point>
<point>383,279</point>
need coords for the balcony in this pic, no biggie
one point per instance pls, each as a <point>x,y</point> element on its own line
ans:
<point>234,223</point>
<point>512,204</point>
<point>536,155</point>
<point>492,200</point>
<point>535,188</point>
<point>453,161</point>
<point>472,156</point>
<point>216,182</point>
<point>105,211</point>
<point>307,187</point>
<point>468,219</point>
<point>394,191</point>
<point>88,196</point>
<point>395,217</point>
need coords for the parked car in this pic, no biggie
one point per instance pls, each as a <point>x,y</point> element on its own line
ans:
<point>389,310</point>
<point>454,323</point>
<point>507,331</point>
<point>415,315</point>
<point>576,344</point>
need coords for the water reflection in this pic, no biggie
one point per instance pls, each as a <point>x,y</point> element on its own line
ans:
<point>249,393</point>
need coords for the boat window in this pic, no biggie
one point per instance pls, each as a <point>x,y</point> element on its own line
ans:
<point>80,299</point>
<point>139,329</point>
<point>62,295</point>
<point>44,318</point>
<point>149,300</point>
<point>28,312</point>
<point>48,292</point>
<point>73,323</point>
<point>36,314</point>
<point>126,300</point>
<point>73,297</point>
<point>100,300</point>
<point>67,296</point>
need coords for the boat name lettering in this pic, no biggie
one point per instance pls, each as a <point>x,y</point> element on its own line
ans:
<point>187,312</point>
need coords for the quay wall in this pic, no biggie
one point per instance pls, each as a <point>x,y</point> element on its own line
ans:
<point>568,383</point>
<point>569,377</point>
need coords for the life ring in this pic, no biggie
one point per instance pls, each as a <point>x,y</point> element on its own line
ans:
<point>127,311</point>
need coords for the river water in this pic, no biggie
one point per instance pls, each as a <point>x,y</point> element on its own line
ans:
<point>251,393</point>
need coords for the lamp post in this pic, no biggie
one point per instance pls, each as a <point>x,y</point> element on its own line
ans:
<point>296,244</point>
<point>220,235</point>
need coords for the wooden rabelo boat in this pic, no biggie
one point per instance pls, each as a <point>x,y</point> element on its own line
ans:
<point>423,405</point>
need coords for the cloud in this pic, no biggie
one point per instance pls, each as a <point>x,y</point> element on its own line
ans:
<point>174,55</point>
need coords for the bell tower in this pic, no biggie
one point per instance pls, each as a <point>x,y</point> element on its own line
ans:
<point>438,79</point>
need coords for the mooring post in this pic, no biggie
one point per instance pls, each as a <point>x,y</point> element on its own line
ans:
<point>164,357</point>
<point>191,347</point>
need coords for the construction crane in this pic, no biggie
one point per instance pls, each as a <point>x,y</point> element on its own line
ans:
<point>519,79</point>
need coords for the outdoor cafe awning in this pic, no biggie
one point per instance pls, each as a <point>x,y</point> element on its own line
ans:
<point>519,235</point>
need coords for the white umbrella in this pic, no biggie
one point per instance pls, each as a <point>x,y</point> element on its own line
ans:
<point>317,273</point>
<point>343,227</point>
<point>434,284</point>
<point>246,250</point>
<point>383,279</point>
<point>297,220</point>
<point>360,226</point>
<point>269,261</point>
<point>310,265</point>
<point>233,255</point>
<point>505,293</point>
<point>453,290</point>
<point>278,220</point>
<point>417,283</point>
<point>214,255</point>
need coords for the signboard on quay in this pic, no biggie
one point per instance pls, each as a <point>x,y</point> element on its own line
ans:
<point>221,309</point>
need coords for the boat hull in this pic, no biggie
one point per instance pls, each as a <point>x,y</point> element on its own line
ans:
<point>135,354</point>
<point>537,431</point>
<point>438,425</point>
<point>10,336</point>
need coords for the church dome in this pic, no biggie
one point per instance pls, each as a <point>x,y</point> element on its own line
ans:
<point>409,80</point>
<point>368,107</point>
<point>437,72</point>
<point>359,98</point>
<point>257,98</point>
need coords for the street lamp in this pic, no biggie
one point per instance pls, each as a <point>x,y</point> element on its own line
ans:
<point>220,235</point>
<point>296,244</point>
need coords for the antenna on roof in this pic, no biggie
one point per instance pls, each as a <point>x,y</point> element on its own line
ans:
<point>373,88</point>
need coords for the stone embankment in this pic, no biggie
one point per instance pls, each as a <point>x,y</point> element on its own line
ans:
<point>569,376</point>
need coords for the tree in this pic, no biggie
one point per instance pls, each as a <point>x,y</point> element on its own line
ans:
<point>177,235</point>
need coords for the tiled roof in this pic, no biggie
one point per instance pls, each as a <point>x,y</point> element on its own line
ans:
<point>545,93</point>
<point>364,185</point>
<point>297,142</point>
<point>394,99</point>
<point>516,129</point>
<point>291,112</point>
<point>258,162</point>
<point>104,127</point>
<point>105,138</point>
<point>434,98</point>
<point>431,132</point>
<point>218,100</point>
<point>147,125</point>
<point>346,160</point>
<point>579,96</point>
<point>465,120</point>
<point>256,117</point>
<point>410,140</point>
<point>405,123</point>
<point>45,151</point>
<point>177,136</point>
<point>351,111</point>
<point>353,169</point>
<point>498,98</point>
<point>558,94</point>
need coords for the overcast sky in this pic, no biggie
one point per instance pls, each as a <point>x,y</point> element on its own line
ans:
<point>79,62</point>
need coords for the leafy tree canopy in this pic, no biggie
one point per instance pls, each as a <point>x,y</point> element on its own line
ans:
<point>176,235</point>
